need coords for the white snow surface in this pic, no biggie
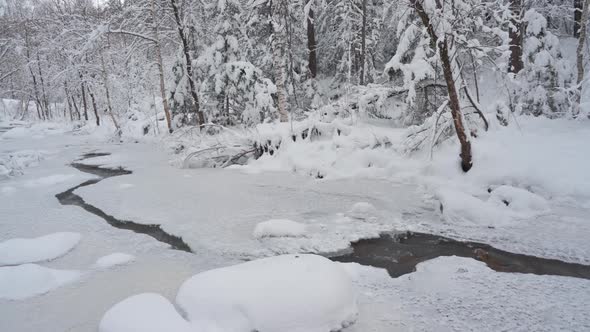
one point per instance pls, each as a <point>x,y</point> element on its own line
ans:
<point>279,228</point>
<point>112,260</point>
<point>27,280</point>
<point>288,293</point>
<point>43,248</point>
<point>147,312</point>
<point>362,210</point>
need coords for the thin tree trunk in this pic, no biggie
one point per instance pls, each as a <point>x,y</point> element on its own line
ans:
<point>94,108</point>
<point>105,79</point>
<point>278,55</point>
<point>44,94</point>
<point>84,103</point>
<point>38,105</point>
<point>363,43</point>
<point>515,34</point>
<point>161,69</point>
<point>311,44</point>
<point>443,49</point>
<point>188,64</point>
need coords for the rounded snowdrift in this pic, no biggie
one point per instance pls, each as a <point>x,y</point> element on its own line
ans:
<point>289,293</point>
<point>147,312</point>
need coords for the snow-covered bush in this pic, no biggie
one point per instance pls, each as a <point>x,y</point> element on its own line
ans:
<point>545,81</point>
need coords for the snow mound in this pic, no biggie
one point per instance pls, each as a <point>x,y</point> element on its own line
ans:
<point>279,228</point>
<point>43,248</point>
<point>146,312</point>
<point>521,201</point>
<point>457,206</point>
<point>362,210</point>
<point>113,260</point>
<point>24,281</point>
<point>13,163</point>
<point>288,293</point>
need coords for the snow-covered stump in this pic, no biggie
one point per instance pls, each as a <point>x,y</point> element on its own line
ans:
<point>289,293</point>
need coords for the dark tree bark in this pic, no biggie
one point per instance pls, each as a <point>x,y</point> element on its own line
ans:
<point>443,50</point>
<point>84,103</point>
<point>311,44</point>
<point>94,108</point>
<point>363,43</point>
<point>578,6</point>
<point>515,34</point>
<point>188,63</point>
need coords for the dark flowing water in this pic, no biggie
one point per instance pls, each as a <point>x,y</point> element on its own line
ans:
<point>68,197</point>
<point>399,254</point>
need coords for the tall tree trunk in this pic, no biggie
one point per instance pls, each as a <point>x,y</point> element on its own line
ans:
<point>578,7</point>
<point>311,43</point>
<point>443,50</point>
<point>94,108</point>
<point>363,43</point>
<point>38,104</point>
<point>278,57</point>
<point>44,94</point>
<point>580,53</point>
<point>161,69</point>
<point>188,63</point>
<point>84,103</point>
<point>515,34</point>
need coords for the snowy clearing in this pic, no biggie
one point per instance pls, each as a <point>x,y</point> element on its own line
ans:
<point>43,248</point>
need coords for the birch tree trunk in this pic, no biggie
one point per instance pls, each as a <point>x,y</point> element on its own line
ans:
<point>278,55</point>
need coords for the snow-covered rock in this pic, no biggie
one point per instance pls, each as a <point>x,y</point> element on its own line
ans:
<point>113,260</point>
<point>147,312</point>
<point>279,228</point>
<point>43,248</point>
<point>289,293</point>
<point>519,200</point>
<point>362,210</point>
<point>23,281</point>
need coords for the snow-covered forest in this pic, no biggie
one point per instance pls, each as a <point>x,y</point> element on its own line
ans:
<point>294,166</point>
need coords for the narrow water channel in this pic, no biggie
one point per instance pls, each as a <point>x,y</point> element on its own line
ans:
<point>68,197</point>
<point>400,253</point>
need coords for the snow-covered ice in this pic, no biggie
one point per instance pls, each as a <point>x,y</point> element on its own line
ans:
<point>43,248</point>
<point>279,228</point>
<point>27,280</point>
<point>362,210</point>
<point>289,293</point>
<point>113,260</point>
<point>147,312</point>
<point>462,294</point>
